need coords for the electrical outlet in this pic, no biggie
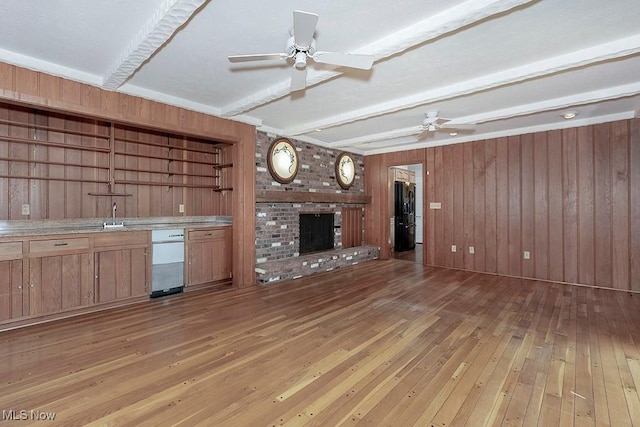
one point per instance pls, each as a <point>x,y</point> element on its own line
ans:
<point>526,255</point>
<point>181,208</point>
<point>453,248</point>
<point>26,210</point>
<point>472,250</point>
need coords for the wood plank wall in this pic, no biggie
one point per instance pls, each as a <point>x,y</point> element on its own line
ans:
<point>351,230</point>
<point>28,88</point>
<point>569,197</point>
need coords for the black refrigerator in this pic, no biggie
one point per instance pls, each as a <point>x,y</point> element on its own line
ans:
<point>405,216</point>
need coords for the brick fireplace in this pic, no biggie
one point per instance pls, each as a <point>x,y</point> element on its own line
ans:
<point>314,190</point>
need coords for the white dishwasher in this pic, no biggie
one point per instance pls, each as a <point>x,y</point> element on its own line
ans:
<point>167,262</point>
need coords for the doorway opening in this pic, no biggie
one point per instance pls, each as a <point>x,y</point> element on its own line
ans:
<point>407,212</point>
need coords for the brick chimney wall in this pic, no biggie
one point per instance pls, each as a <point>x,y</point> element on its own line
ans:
<point>277,224</point>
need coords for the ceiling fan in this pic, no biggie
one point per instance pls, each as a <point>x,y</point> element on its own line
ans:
<point>301,45</point>
<point>434,123</point>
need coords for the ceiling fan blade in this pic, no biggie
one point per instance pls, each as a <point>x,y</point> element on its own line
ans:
<point>304,25</point>
<point>459,126</point>
<point>260,57</point>
<point>424,135</point>
<point>298,79</point>
<point>352,60</point>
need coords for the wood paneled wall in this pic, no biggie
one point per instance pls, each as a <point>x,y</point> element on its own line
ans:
<point>571,198</point>
<point>28,88</point>
<point>351,229</point>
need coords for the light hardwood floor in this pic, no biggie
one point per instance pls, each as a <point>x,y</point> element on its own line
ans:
<point>381,343</point>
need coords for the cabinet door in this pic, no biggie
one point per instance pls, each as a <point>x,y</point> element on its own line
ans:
<point>200,265</point>
<point>60,282</point>
<point>210,258</point>
<point>121,274</point>
<point>13,304</point>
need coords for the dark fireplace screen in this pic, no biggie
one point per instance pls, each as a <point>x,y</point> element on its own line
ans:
<point>316,232</point>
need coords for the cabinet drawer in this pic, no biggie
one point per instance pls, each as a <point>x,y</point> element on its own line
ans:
<point>210,233</point>
<point>43,246</point>
<point>120,238</point>
<point>10,250</point>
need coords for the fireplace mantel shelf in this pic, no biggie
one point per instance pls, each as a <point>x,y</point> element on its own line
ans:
<point>307,196</point>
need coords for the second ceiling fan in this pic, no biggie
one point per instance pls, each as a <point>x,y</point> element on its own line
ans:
<point>302,46</point>
<point>434,123</point>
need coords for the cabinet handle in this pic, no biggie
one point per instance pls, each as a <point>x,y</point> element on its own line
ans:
<point>19,286</point>
<point>60,244</point>
<point>32,286</point>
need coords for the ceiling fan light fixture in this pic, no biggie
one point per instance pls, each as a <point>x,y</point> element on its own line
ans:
<point>301,60</point>
<point>568,115</point>
<point>453,133</point>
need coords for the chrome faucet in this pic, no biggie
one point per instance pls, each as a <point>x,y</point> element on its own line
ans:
<point>113,218</point>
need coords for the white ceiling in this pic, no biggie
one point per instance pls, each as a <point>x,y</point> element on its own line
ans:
<point>509,66</point>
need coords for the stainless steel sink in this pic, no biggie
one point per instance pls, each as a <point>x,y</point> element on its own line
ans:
<point>110,226</point>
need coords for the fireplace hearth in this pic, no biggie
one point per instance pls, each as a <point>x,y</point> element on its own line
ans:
<point>316,232</point>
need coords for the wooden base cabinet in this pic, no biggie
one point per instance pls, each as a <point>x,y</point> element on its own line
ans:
<point>121,274</point>
<point>61,282</point>
<point>122,266</point>
<point>44,276</point>
<point>60,272</point>
<point>208,255</point>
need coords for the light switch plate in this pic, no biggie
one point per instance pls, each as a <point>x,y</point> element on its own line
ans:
<point>472,250</point>
<point>526,255</point>
<point>26,210</point>
<point>435,205</point>
<point>453,248</point>
<point>181,208</point>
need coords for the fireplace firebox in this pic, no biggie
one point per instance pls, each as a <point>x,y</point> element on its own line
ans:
<point>316,232</point>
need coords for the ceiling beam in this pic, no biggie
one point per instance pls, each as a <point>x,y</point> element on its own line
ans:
<point>448,21</point>
<point>585,98</point>
<point>166,20</point>
<point>589,56</point>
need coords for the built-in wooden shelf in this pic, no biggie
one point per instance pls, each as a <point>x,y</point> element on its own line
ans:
<point>223,166</point>
<point>47,143</point>
<point>116,160</point>
<point>110,194</point>
<point>309,197</point>
<point>53,178</point>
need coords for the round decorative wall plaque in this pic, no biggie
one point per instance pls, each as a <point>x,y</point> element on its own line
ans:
<point>345,170</point>
<point>282,160</point>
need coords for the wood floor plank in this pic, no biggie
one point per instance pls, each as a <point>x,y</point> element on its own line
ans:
<point>380,343</point>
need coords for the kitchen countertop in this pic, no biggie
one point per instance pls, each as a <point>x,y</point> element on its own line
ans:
<point>95,225</point>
